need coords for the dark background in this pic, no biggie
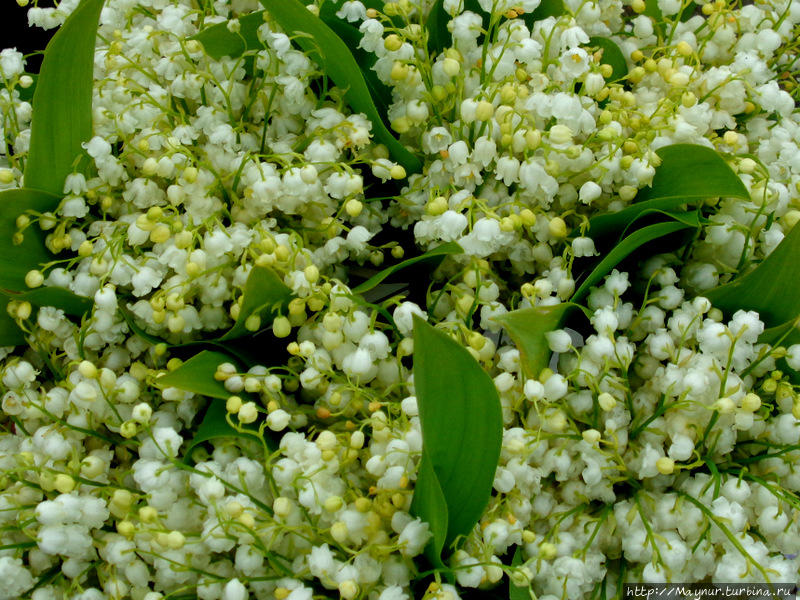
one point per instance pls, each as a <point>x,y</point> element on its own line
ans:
<point>15,33</point>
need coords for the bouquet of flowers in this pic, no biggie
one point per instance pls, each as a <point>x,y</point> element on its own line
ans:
<point>428,299</point>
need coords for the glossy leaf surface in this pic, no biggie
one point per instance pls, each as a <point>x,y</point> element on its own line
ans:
<point>62,102</point>
<point>462,430</point>
<point>219,41</point>
<point>437,253</point>
<point>10,334</point>
<point>546,8</point>
<point>351,36</point>
<point>772,288</point>
<point>430,505</point>
<point>687,173</point>
<point>214,426</point>
<point>263,293</point>
<point>70,303</point>
<point>336,60</point>
<point>694,171</point>
<point>17,260</point>
<point>436,28</point>
<point>196,375</point>
<point>622,250</point>
<point>527,328</point>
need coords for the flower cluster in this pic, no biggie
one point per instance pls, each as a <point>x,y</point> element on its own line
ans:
<point>661,443</point>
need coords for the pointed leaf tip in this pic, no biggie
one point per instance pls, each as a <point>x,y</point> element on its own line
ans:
<point>462,431</point>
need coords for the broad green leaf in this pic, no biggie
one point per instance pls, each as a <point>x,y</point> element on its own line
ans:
<point>651,10</point>
<point>264,292</point>
<point>219,41</point>
<point>688,173</point>
<point>196,375</point>
<point>437,253</point>
<point>694,171</point>
<point>17,260</point>
<point>430,505</point>
<point>351,36</point>
<point>70,303</point>
<point>786,334</point>
<point>624,249</point>
<point>331,53</point>
<point>10,334</point>
<point>691,218</point>
<point>214,426</point>
<point>527,328</point>
<point>612,55</point>
<point>436,26</point>
<point>772,288</point>
<point>462,429</point>
<point>62,102</point>
<point>546,8</point>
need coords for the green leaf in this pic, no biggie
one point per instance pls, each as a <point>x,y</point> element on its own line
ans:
<point>351,36</point>
<point>527,328</point>
<point>437,253</point>
<point>612,55</point>
<point>462,430</point>
<point>62,298</point>
<point>196,375</point>
<point>691,218</point>
<point>623,249</point>
<point>219,41</point>
<point>651,10</point>
<point>694,171</point>
<point>771,289</point>
<point>331,53</point>
<point>786,334</point>
<point>264,295</point>
<point>17,260</point>
<point>10,334</point>
<point>436,26</point>
<point>547,8</point>
<point>430,505</point>
<point>214,426</point>
<point>687,173</point>
<point>62,102</point>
